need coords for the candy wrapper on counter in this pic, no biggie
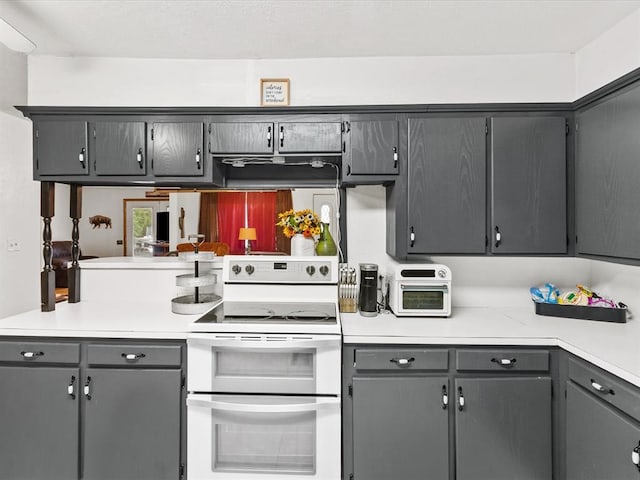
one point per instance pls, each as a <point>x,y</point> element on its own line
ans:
<point>581,302</point>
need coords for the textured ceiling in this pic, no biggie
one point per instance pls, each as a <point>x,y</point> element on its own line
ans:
<point>239,29</point>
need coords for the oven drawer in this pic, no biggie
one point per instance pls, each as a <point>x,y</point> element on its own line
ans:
<point>506,360</point>
<point>267,364</point>
<point>234,437</point>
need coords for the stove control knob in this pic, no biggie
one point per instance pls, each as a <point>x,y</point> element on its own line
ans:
<point>324,270</point>
<point>249,269</point>
<point>236,269</point>
<point>442,273</point>
<point>311,270</point>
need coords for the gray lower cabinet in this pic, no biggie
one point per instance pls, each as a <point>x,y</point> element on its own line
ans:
<point>61,148</point>
<point>39,421</point>
<point>528,185</point>
<point>503,428</point>
<point>607,176</point>
<point>400,428</point>
<point>119,148</point>
<point>178,149</point>
<point>131,424</point>
<point>600,439</point>
<point>446,185</point>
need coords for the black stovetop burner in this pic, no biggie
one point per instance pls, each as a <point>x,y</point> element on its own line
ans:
<point>274,312</point>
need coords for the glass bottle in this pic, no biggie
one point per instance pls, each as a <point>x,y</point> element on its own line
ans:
<point>326,246</point>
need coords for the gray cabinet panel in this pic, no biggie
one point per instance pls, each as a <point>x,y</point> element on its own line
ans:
<point>528,175</point>
<point>132,355</point>
<point>599,439</point>
<point>119,148</point>
<point>502,360</point>
<point>38,423</point>
<point>242,138</point>
<point>388,359</point>
<point>132,425</point>
<point>400,430</point>
<point>59,146</point>
<point>373,147</point>
<point>447,185</point>
<point>39,352</point>
<point>607,177</point>
<point>310,137</point>
<point>503,432</point>
<point>178,149</point>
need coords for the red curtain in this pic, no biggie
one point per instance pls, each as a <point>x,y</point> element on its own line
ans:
<point>230,219</point>
<point>262,215</point>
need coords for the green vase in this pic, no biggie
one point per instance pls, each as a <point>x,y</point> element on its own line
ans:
<point>326,246</point>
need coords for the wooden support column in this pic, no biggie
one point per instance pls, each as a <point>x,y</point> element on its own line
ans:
<point>73,273</point>
<point>48,276</point>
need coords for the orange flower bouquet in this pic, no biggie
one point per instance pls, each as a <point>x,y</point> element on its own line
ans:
<point>304,222</point>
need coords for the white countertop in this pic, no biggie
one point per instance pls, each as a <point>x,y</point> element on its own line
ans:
<point>614,347</point>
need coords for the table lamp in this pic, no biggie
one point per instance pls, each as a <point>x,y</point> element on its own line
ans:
<point>247,234</point>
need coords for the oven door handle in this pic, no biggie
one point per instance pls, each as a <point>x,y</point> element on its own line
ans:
<point>438,288</point>
<point>262,342</point>
<point>264,408</point>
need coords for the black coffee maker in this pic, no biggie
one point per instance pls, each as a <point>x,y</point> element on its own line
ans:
<point>368,297</point>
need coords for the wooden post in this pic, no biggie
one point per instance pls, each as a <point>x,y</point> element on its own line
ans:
<point>73,273</point>
<point>48,276</point>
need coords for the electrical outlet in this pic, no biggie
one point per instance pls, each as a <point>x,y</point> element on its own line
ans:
<point>13,245</point>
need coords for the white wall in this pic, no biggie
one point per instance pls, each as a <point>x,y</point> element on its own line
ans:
<point>19,194</point>
<point>329,81</point>
<point>610,56</point>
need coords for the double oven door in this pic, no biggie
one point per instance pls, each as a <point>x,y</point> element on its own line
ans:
<point>263,407</point>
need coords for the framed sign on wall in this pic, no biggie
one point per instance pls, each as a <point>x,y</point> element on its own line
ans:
<point>274,92</point>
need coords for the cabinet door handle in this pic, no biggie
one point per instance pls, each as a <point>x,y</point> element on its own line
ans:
<point>87,388</point>
<point>403,362</point>
<point>395,157</point>
<point>504,362</point>
<point>133,356</point>
<point>460,399</point>
<point>32,354</point>
<point>269,137</point>
<point>412,237</point>
<point>198,154</point>
<point>140,157</point>
<point>600,388</point>
<point>635,456</point>
<point>498,237</point>
<point>445,397</point>
<point>81,157</point>
<point>71,388</point>
<point>281,137</point>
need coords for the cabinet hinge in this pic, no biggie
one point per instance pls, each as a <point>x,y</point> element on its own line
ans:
<point>37,133</point>
<point>486,127</point>
<point>94,133</point>
<point>183,381</point>
<point>209,129</point>
<point>566,128</point>
<point>152,134</point>
<point>348,170</point>
<point>351,476</point>
<point>486,241</point>
<point>552,390</point>
<point>568,240</point>
<point>344,147</point>
<point>576,239</point>
<point>575,128</point>
<point>181,470</point>
<point>350,390</point>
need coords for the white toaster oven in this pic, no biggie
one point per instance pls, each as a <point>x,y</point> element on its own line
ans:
<point>420,290</point>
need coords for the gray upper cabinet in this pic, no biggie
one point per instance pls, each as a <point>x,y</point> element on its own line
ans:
<point>39,418</point>
<point>607,177</point>
<point>371,146</point>
<point>447,185</point>
<point>178,149</point>
<point>503,428</point>
<point>132,424</point>
<point>400,428</point>
<point>309,137</point>
<point>252,138</point>
<point>528,185</point>
<point>119,148</point>
<point>60,148</point>
<point>600,439</point>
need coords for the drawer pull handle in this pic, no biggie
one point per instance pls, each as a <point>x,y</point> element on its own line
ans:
<point>504,362</point>
<point>133,356</point>
<point>635,456</point>
<point>32,354</point>
<point>71,388</point>
<point>460,399</point>
<point>402,362</point>
<point>445,397</point>
<point>87,388</point>
<point>602,389</point>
